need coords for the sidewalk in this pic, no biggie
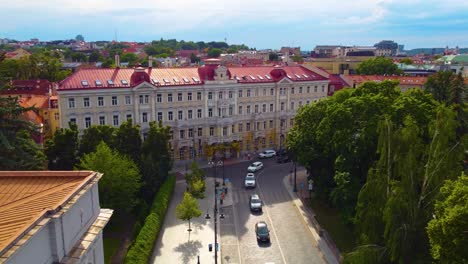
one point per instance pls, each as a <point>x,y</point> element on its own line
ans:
<point>325,244</point>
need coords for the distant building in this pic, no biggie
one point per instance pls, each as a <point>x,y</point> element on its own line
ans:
<point>406,82</point>
<point>329,51</point>
<point>388,47</point>
<point>51,217</point>
<point>291,51</point>
<point>17,54</point>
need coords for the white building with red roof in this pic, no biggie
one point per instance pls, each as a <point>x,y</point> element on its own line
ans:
<point>212,104</point>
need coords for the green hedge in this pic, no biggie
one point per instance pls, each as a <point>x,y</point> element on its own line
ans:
<point>141,250</point>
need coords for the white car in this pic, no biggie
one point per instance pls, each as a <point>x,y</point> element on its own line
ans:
<point>267,154</point>
<point>256,166</point>
<point>250,180</point>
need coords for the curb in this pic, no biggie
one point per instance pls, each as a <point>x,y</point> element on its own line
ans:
<point>306,218</point>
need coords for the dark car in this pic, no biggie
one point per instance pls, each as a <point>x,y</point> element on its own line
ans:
<point>262,232</point>
<point>283,159</point>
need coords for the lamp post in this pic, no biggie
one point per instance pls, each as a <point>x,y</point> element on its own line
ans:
<point>214,165</point>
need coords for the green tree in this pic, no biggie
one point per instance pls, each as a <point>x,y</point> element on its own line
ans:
<point>446,86</point>
<point>93,135</point>
<point>131,58</point>
<point>406,61</point>
<point>273,56</point>
<point>62,149</point>
<point>195,180</point>
<point>128,141</point>
<point>447,230</point>
<point>18,151</point>
<point>378,66</point>
<point>79,37</point>
<point>297,58</point>
<point>194,58</point>
<point>188,209</point>
<point>214,52</point>
<point>95,56</point>
<point>119,186</point>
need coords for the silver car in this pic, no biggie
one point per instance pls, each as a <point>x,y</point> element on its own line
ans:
<point>256,166</point>
<point>255,203</point>
<point>250,180</point>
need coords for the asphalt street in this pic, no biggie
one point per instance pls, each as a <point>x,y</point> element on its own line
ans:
<point>291,240</point>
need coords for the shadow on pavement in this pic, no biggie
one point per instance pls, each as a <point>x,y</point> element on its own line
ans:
<point>189,250</point>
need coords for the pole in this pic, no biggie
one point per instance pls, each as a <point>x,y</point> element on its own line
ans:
<point>224,183</point>
<point>295,183</point>
<point>215,218</point>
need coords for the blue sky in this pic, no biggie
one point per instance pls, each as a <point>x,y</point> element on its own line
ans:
<point>256,23</point>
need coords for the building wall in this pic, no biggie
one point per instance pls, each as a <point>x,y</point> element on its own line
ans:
<point>225,125</point>
<point>343,65</point>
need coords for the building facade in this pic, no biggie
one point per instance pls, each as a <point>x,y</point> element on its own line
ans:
<point>209,106</point>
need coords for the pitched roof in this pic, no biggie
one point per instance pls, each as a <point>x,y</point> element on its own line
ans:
<point>37,87</point>
<point>27,197</point>
<point>118,78</point>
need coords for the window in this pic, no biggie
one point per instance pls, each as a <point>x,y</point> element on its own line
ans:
<point>72,121</point>
<point>199,113</point>
<point>233,129</point>
<point>220,95</point>
<point>300,103</point>
<point>308,102</point>
<point>146,99</point>
<point>180,115</point>
<point>56,116</point>
<point>271,123</point>
<point>160,116</point>
<point>256,92</point>
<point>189,96</point>
<point>300,90</point>
<point>71,102</point>
<point>210,95</point>
<point>224,131</point>
<point>230,111</point>
<point>115,120</point>
<point>169,97</point>
<point>282,123</point>
<point>308,89</point>
<point>241,127</point>
<point>87,122</point>
<point>129,116</point>
<point>200,131</point>
<point>211,131</point>
<point>272,91</point>
<point>190,133</point>
<point>264,92</point>
<point>264,108</point>
<point>141,99</point>
<point>291,122</point>
<point>100,101</point>
<point>230,94</point>
<point>210,112</point>
<point>102,120</point>
<point>170,116</point>
<point>190,114</point>
<point>240,109</point>
<point>114,100</point>
<point>271,107</point>
<point>282,106</point>
<point>248,109</point>
<point>240,93</point>
<point>159,98</point>
<point>144,117</point>
<point>315,88</point>
<point>181,134</point>
<point>179,97</point>
<point>281,91</point>
<point>247,126</point>
<point>128,100</point>
<point>323,88</point>
<point>256,108</point>
<point>199,96</point>
<point>264,125</point>
<point>248,93</point>
<point>292,105</point>
<point>292,90</point>
<point>85,102</point>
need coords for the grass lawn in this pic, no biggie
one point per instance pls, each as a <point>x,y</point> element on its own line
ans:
<point>330,220</point>
<point>110,247</point>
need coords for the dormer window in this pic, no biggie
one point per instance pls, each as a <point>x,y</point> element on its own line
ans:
<point>110,82</point>
<point>166,81</point>
<point>155,81</point>
<point>84,83</point>
<point>176,80</point>
<point>268,77</point>
<point>98,83</point>
<point>124,82</point>
<point>195,79</point>
<point>186,80</point>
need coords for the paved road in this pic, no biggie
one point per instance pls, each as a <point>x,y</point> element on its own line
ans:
<point>291,241</point>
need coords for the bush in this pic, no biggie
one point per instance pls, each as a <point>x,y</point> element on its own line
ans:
<point>140,251</point>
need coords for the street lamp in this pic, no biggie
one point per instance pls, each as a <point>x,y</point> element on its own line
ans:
<point>214,165</point>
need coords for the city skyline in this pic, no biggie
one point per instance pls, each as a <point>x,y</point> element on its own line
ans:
<point>414,23</point>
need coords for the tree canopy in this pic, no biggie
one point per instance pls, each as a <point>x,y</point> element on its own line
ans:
<point>188,208</point>
<point>378,66</point>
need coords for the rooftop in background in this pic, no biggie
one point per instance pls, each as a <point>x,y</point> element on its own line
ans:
<point>32,87</point>
<point>28,197</point>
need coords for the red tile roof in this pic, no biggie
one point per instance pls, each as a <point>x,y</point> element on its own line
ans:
<point>33,87</point>
<point>404,80</point>
<point>98,78</point>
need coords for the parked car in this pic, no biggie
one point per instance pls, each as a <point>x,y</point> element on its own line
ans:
<point>250,181</point>
<point>262,232</point>
<point>255,203</point>
<point>267,154</point>
<point>283,159</point>
<point>256,166</point>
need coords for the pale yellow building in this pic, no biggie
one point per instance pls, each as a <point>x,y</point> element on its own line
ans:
<point>338,65</point>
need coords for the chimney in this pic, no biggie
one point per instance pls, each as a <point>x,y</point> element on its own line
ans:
<point>150,61</point>
<point>117,60</point>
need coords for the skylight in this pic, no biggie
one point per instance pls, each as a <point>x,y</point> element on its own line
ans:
<point>195,79</point>
<point>289,76</point>
<point>260,77</point>
<point>110,82</point>
<point>155,81</point>
<point>238,78</point>
<point>98,83</point>
<point>268,77</point>
<point>298,76</point>
<point>305,75</point>
<point>252,77</point>
<point>124,82</point>
<point>186,80</point>
<point>176,79</point>
<point>166,81</point>
<point>84,83</point>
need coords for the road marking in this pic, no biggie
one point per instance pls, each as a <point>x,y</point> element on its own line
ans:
<point>235,228</point>
<point>271,221</point>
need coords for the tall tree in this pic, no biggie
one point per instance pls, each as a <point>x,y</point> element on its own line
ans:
<point>93,135</point>
<point>128,141</point>
<point>188,209</point>
<point>79,37</point>
<point>195,180</point>
<point>448,227</point>
<point>119,186</point>
<point>378,66</point>
<point>214,52</point>
<point>62,149</point>
<point>447,87</point>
